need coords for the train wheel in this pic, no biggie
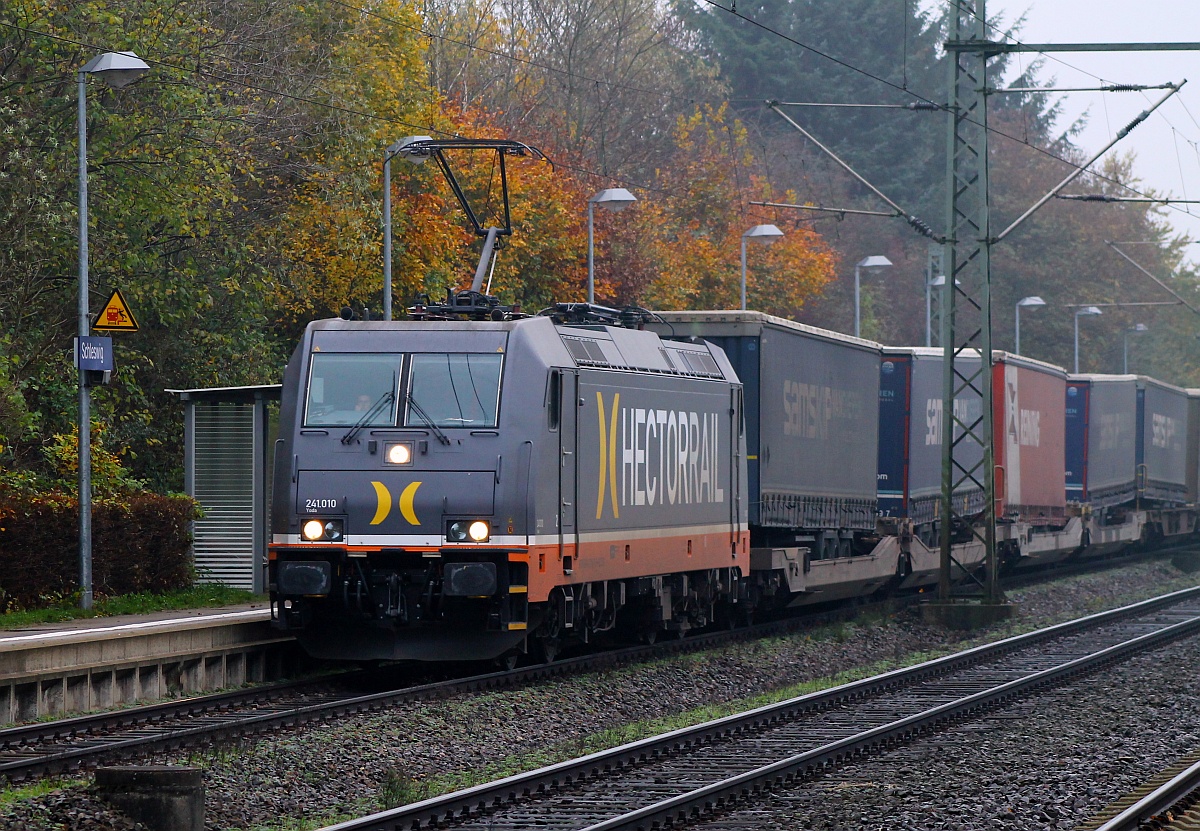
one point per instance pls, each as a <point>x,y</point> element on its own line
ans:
<point>548,649</point>
<point>509,660</point>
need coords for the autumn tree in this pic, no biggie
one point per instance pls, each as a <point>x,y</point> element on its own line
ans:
<point>680,247</point>
<point>604,79</point>
<point>164,158</point>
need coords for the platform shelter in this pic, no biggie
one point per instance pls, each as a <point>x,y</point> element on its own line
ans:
<point>227,459</point>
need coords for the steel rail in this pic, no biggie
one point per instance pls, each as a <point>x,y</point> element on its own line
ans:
<point>21,759</point>
<point>25,735</point>
<point>1153,807</point>
<point>473,801</point>
<point>722,795</point>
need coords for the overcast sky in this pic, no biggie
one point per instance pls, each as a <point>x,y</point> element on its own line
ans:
<point>1168,144</point>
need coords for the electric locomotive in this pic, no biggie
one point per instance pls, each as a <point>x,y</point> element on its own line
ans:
<point>475,489</point>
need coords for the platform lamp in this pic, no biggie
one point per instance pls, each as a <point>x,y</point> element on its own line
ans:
<point>615,200</point>
<point>1024,303</point>
<point>117,69</point>
<point>1135,329</point>
<point>933,283</point>
<point>875,261</point>
<point>763,235</point>
<point>1086,311</point>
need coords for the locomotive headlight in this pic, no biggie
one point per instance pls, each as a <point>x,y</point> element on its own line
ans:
<point>400,453</point>
<point>464,530</point>
<point>317,530</point>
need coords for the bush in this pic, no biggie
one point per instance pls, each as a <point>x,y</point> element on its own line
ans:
<point>141,542</point>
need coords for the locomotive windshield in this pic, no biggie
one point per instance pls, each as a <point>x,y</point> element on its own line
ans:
<point>344,388</point>
<point>454,390</point>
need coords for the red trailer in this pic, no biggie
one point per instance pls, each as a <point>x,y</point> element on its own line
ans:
<point>1028,409</point>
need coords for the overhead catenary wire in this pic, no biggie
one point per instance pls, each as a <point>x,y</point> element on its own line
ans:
<point>732,10</point>
<point>1142,269</point>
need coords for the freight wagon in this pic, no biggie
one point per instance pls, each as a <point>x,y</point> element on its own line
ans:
<point>813,438</point>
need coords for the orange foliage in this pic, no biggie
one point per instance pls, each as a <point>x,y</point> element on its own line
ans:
<point>435,248</point>
<point>681,245</point>
<point>677,247</point>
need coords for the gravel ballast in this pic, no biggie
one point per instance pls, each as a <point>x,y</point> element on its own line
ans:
<point>364,763</point>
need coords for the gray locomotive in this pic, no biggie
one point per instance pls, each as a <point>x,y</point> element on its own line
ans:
<point>473,489</point>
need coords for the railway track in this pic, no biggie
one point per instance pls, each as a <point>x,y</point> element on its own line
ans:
<point>1170,801</point>
<point>70,745</point>
<point>48,748</point>
<point>718,766</point>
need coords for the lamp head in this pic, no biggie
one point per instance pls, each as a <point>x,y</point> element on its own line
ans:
<point>414,155</point>
<point>614,199</point>
<point>1139,327</point>
<point>1088,310</point>
<point>763,234</point>
<point>874,261</point>
<point>117,69</point>
<point>1031,302</point>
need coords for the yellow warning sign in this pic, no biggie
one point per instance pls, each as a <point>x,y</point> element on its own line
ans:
<point>116,316</point>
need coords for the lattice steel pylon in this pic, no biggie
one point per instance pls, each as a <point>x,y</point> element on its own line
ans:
<point>966,304</point>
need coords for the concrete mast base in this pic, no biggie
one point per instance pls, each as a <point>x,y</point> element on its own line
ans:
<point>966,614</point>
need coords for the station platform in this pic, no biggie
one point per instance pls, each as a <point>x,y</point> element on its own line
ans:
<point>80,665</point>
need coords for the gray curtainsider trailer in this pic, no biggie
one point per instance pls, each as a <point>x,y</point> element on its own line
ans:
<point>811,404</point>
<point>1162,440</point>
<point>1101,436</point>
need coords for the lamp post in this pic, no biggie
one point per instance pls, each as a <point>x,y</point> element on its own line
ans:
<point>1136,329</point>
<point>117,69</point>
<point>930,284</point>
<point>875,261</point>
<point>934,283</point>
<point>615,200</point>
<point>1028,303</point>
<point>763,235</point>
<point>392,152</point>
<point>1089,311</point>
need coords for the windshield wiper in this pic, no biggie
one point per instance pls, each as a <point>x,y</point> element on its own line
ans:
<point>437,431</point>
<point>368,416</point>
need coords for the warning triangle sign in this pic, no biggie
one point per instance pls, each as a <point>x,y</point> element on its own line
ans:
<point>116,316</point>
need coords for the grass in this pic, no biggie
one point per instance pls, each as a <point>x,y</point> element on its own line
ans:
<point>196,597</point>
<point>12,795</point>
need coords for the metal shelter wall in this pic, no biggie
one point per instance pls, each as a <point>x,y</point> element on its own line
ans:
<point>227,470</point>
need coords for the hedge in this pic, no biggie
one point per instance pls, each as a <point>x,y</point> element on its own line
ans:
<point>141,542</point>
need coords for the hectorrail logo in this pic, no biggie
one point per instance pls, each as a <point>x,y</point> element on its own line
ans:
<point>668,457</point>
<point>383,503</point>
